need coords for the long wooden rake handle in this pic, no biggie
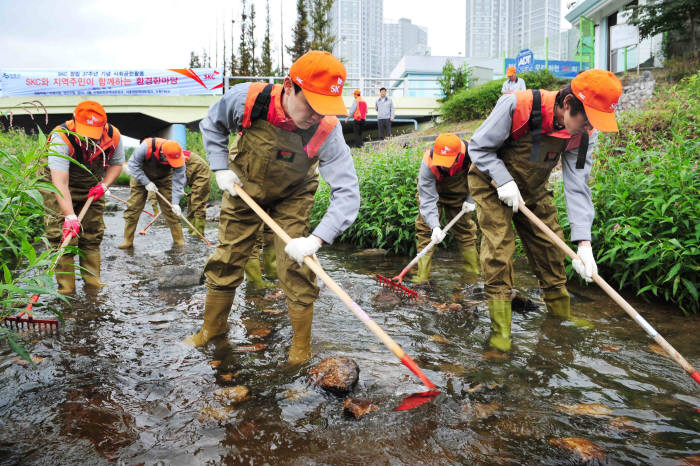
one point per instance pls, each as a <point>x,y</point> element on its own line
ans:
<point>352,305</point>
<point>125,202</point>
<point>185,219</point>
<point>670,350</point>
<point>65,243</point>
<point>430,245</point>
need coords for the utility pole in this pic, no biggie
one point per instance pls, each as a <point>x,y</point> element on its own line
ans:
<point>281,39</point>
<point>223,38</point>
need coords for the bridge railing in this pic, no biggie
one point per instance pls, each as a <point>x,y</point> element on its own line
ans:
<point>397,87</point>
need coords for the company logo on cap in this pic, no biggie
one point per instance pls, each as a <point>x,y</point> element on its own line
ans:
<point>335,88</point>
<point>340,81</point>
<point>301,81</point>
<point>445,150</point>
<point>92,120</point>
<point>583,97</point>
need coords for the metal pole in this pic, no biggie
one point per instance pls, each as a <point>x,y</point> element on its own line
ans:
<point>625,60</point>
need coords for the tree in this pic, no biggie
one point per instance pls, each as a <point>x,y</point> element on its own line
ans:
<point>251,41</point>
<point>300,44</point>
<point>266,56</point>
<point>194,60</point>
<point>668,16</point>
<point>454,79</point>
<point>321,39</point>
<point>244,60</point>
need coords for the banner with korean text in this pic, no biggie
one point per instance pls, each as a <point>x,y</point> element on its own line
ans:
<point>176,81</point>
<point>562,69</point>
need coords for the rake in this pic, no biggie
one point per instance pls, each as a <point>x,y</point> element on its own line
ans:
<point>395,284</point>
<point>20,321</point>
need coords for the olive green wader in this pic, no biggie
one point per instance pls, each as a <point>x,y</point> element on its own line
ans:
<point>498,239</point>
<point>199,181</point>
<point>162,176</point>
<point>277,173</point>
<point>452,192</point>
<point>253,271</point>
<point>92,227</point>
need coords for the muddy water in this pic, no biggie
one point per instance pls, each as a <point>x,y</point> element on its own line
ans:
<point>117,385</point>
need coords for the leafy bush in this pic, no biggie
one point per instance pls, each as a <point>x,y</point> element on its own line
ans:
<point>646,193</point>
<point>478,101</point>
<point>388,206</point>
<point>454,79</point>
<point>25,256</point>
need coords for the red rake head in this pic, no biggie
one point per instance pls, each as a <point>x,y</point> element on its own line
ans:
<point>20,322</point>
<point>396,286</point>
<point>416,400</point>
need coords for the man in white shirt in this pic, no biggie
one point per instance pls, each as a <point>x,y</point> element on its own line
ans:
<point>513,83</point>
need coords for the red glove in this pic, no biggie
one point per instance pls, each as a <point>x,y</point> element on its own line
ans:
<point>97,191</point>
<point>71,226</point>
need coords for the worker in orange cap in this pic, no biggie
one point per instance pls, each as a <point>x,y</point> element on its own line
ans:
<point>359,115</point>
<point>513,82</point>
<point>526,135</point>
<point>442,186</point>
<point>97,145</point>
<point>288,132</point>
<point>156,165</point>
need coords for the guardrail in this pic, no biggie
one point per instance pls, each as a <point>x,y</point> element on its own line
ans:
<point>397,87</point>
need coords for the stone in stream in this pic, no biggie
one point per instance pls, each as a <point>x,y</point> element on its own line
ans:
<point>358,407</point>
<point>250,348</point>
<point>211,413</point>
<point>592,409</point>
<point>259,333</point>
<point>370,253</point>
<point>386,298</point>
<point>179,277</point>
<point>232,395</point>
<point>213,213</point>
<point>521,303</point>
<point>584,449</point>
<point>23,362</point>
<point>335,374</point>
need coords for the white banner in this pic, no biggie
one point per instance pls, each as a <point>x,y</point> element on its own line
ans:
<point>176,81</point>
<point>623,35</point>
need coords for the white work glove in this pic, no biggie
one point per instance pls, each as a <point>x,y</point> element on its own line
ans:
<point>226,179</point>
<point>177,210</point>
<point>509,194</point>
<point>585,267</point>
<point>151,187</point>
<point>468,207</point>
<point>298,248</point>
<point>438,235</point>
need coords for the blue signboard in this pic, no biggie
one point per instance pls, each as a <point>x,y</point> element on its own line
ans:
<point>563,69</point>
<point>524,61</point>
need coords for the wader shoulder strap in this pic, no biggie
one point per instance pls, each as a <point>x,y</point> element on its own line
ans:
<point>535,123</point>
<point>73,144</point>
<point>582,151</point>
<point>257,109</point>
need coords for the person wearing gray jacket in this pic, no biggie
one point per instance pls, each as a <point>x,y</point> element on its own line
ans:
<point>516,149</point>
<point>385,113</point>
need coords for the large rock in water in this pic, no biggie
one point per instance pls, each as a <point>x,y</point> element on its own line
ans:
<point>335,374</point>
<point>178,277</point>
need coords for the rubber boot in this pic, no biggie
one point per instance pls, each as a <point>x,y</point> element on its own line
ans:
<point>301,317</point>
<point>64,273</point>
<point>470,256</point>
<point>500,314</point>
<point>129,230</point>
<point>270,262</point>
<point>253,275</point>
<point>154,205</point>
<point>178,237</point>
<point>216,311</point>
<point>91,264</point>
<point>558,303</point>
<point>424,264</point>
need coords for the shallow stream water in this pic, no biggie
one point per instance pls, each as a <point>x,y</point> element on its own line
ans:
<point>117,385</point>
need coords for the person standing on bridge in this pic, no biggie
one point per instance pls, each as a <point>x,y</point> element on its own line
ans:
<point>516,148</point>
<point>358,111</point>
<point>156,165</point>
<point>285,141</point>
<point>513,82</point>
<point>199,181</point>
<point>385,114</point>
<point>442,186</point>
<point>91,141</point>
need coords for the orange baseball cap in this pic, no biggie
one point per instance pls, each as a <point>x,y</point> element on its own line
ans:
<point>356,92</point>
<point>446,149</point>
<point>90,119</point>
<point>173,152</point>
<point>599,90</point>
<point>510,71</point>
<point>321,77</point>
